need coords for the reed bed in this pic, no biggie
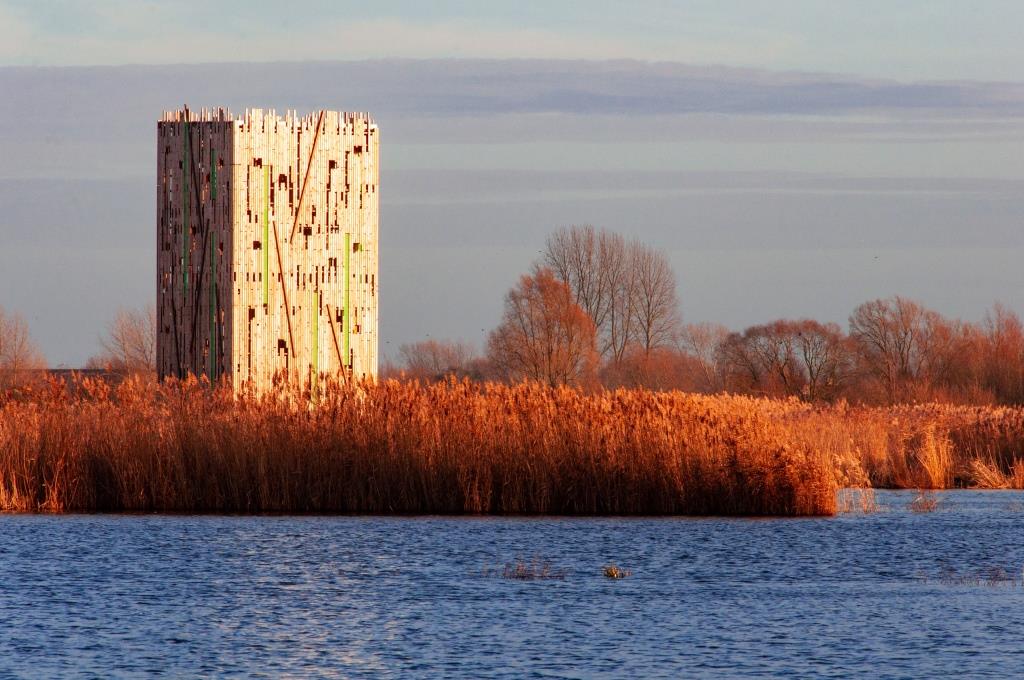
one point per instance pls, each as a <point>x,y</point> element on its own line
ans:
<point>920,446</point>
<point>455,447</point>
<point>463,447</point>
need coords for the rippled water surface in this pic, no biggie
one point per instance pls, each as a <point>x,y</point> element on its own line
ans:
<point>888,594</point>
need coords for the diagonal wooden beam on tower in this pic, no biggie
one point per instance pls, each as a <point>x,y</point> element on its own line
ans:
<point>284,293</point>
<point>334,337</point>
<point>305,179</point>
<point>291,235</point>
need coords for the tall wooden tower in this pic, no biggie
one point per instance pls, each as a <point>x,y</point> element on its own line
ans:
<point>267,246</point>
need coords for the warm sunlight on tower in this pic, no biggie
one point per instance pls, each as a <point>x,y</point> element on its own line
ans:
<point>267,246</point>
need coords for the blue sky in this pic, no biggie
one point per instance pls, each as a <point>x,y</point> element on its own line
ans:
<point>791,158</point>
<point>910,39</point>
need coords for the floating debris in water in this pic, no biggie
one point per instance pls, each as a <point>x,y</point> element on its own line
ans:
<point>990,576</point>
<point>534,570</point>
<point>613,571</point>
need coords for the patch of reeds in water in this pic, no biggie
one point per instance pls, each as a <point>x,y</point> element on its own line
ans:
<point>857,500</point>
<point>924,501</point>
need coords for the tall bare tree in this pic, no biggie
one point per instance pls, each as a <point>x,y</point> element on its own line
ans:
<point>594,264</point>
<point>130,343</point>
<point>655,305</point>
<point>576,256</point>
<point>544,335</point>
<point>20,358</point>
<point>627,288</point>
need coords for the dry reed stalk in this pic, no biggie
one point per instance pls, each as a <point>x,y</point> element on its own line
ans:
<point>854,500</point>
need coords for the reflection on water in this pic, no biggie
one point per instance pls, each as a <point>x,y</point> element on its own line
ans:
<point>859,594</point>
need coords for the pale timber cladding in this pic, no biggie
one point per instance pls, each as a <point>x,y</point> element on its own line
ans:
<point>267,246</point>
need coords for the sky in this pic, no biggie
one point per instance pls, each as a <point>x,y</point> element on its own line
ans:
<point>916,39</point>
<point>791,158</point>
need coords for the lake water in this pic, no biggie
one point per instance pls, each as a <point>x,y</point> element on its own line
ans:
<point>888,594</point>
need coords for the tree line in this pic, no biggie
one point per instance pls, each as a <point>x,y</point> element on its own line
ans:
<point>128,347</point>
<point>599,310</point>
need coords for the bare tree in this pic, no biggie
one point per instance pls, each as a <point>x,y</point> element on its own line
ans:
<point>762,360</point>
<point>130,343</point>
<point>594,265</point>
<point>740,369</point>
<point>619,329</point>
<point>1003,355</point>
<point>655,305</point>
<point>949,360</point>
<point>433,360</point>
<point>824,356</point>
<point>575,255</point>
<point>773,348</point>
<point>803,358</point>
<point>20,358</point>
<point>544,335</point>
<point>627,289</point>
<point>897,344</point>
<point>702,341</point>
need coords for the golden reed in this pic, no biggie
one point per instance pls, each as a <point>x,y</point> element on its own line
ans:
<point>403,448</point>
<point>462,447</point>
<point>920,446</point>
